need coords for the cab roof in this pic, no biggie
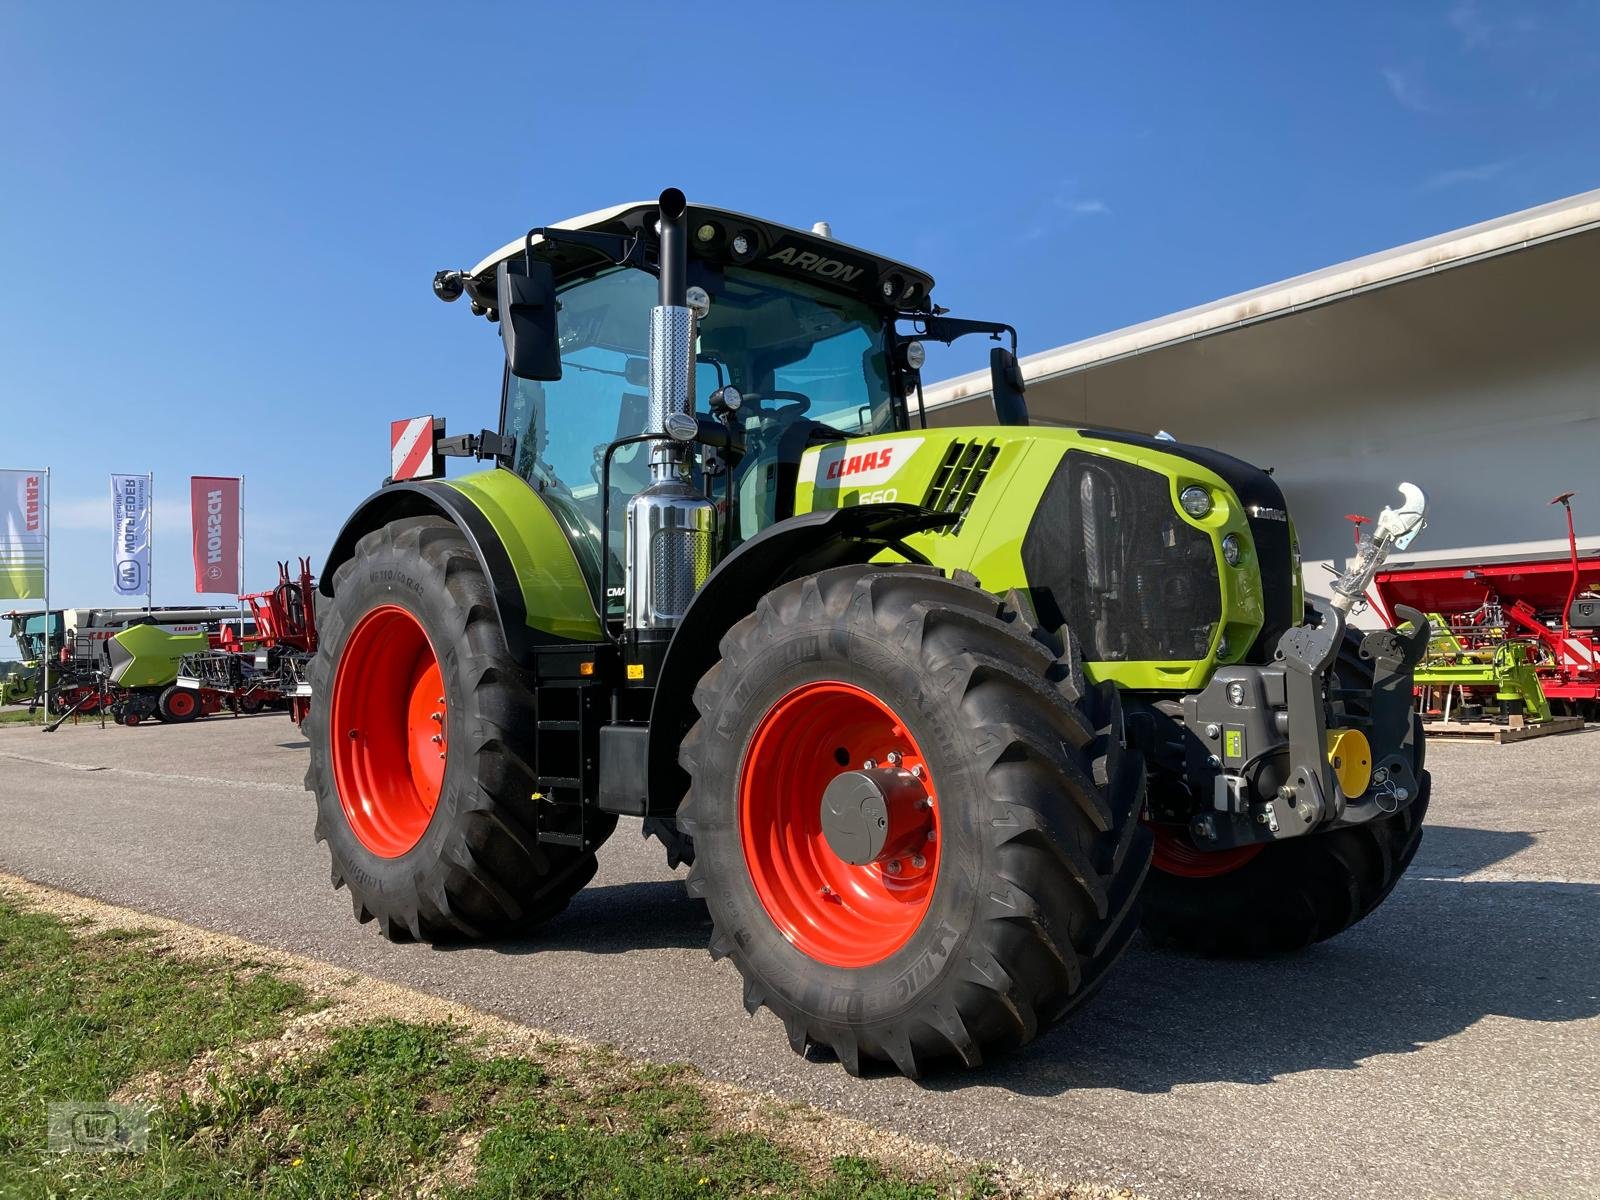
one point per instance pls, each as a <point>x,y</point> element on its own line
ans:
<point>773,247</point>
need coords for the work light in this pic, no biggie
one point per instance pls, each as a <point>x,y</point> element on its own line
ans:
<point>1196,501</point>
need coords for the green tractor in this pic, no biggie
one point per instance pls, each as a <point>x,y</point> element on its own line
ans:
<point>23,681</point>
<point>919,706</point>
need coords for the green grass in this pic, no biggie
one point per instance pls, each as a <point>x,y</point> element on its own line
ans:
<point>21,716</point>
<point>382,1108</point>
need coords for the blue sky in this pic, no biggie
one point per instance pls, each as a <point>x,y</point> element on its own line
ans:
<point>220,222</point>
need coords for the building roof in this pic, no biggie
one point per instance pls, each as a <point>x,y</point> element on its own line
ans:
<point>1516,231</point>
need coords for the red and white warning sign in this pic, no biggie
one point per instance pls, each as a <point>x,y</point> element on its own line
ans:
<point>411,449</point>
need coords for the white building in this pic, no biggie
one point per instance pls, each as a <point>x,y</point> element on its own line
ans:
<point>1468,363</point>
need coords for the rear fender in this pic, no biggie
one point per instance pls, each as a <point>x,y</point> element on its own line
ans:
<point>789,549</point>
<point>541,596</point>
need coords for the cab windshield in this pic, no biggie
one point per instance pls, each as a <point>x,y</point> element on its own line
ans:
<point>792,350</point>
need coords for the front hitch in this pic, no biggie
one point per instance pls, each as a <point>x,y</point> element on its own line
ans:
<point>1283,750</point>
<point>1289,748</point>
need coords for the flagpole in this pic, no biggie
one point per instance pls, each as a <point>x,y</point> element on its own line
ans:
<point>49,502</point>
<point>150,550</point>
<point>239,591</point>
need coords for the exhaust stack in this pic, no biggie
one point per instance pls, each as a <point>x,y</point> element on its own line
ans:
<point>671,527</point>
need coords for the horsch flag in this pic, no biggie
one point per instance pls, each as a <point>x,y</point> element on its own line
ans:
<point>214,520</point>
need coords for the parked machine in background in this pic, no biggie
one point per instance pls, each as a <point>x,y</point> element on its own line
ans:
<point>1503,622</point>
<point>265,669</point>
<point>126,659</point>
<point>22,684</point>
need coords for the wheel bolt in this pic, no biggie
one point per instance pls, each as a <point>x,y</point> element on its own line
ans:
<point>917,772</point>
<point>892,866</point>
<point>438,737</point>
<point>894,758</point>
<point>918,861</point>
<point>870,764</point>
<point>437,717</point>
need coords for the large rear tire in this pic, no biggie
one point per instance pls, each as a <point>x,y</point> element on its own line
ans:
<point>1286,895</point>
<point>1006,882</point>
<point>422,751</point>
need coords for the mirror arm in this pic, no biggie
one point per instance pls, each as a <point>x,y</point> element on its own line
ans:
<point>948,329</point>
<point>487,444</point>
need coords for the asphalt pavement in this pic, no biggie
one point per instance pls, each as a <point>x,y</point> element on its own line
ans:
<point>1447,1046</point>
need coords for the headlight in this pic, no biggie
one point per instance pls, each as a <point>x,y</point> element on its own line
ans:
<point>1236,694</point>
<point>1196,501</point>
<point>1232,549</point>
<point>916,354</point>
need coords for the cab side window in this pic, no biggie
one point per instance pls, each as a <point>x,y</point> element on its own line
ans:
<point>563,426</point>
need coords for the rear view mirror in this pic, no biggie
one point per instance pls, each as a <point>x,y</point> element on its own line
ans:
<point>525,291</point>
<point>1005,383</point>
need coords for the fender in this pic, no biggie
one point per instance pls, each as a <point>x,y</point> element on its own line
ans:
<point>789,549</point>
<point>541,594</point>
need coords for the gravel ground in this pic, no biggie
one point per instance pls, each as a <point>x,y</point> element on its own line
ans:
<point>1448,1046</point>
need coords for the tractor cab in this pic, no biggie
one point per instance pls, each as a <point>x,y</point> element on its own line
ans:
<point>801,341</point>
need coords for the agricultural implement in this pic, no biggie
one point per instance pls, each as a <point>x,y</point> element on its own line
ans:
<point>932,713</point>
<point>125,660</point>
<point>265,669</point>
<point>1507,621</point>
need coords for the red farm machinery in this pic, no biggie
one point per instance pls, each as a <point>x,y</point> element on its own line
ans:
<point>265,668</point>
<point>1520,635</point>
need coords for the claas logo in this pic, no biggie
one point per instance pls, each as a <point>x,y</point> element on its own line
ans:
<point>857,463</point>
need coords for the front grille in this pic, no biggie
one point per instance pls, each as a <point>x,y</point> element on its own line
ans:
<point>955,485</point>
<point>1108,555</point>
<point>1257,490</point>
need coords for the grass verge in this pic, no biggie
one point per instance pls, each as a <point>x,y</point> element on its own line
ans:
<point>261,1085</point>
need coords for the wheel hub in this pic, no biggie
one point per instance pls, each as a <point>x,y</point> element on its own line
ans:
<point>875,815</point>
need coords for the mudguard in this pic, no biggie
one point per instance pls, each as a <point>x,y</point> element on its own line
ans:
<point>541,594</point>
<point>789,549</point>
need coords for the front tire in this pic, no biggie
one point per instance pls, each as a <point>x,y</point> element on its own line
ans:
<point>422,747</point>
<point>1007,881</point>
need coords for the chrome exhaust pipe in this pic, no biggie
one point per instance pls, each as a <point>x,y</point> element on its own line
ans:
<point>671,527</point>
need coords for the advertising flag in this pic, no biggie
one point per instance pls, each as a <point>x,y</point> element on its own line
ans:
<point>130,533</point>
<point>23,524</point>
<point>214,521</point>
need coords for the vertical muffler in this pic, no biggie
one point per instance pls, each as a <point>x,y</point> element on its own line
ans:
<point>671,526</point>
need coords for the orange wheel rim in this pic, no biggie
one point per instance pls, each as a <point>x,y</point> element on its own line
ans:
<point>838,912</point>
<point>1176,854</point>
<point>387,731</point>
